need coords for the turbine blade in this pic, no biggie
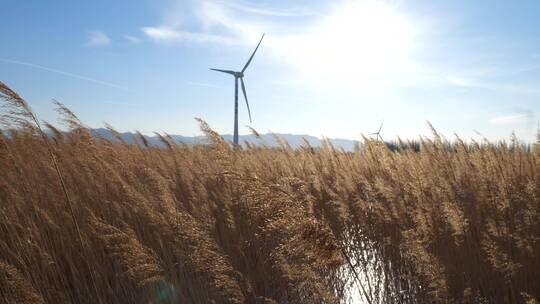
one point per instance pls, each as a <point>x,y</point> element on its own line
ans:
<point>245,96</point>
<point>380,128</point>
<point>223,71</point>
<point>250,58</point>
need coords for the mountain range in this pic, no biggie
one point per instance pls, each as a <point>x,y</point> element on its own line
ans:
<point>269,139</point>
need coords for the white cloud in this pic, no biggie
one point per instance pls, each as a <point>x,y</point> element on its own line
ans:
<point>491,86</point>
<point>369,45</point>
<point>509,119</point>
<point>366,44</point>
<point>161,33</point>
<point>169,34</point>
<point>97,38</point>
<point>457,81</point>
<point>132,39</point>
<point>291,12</point>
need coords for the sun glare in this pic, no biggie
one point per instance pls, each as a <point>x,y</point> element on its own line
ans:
<point>361,43</point>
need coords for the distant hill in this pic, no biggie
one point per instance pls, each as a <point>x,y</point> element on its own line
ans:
<point>267,139</point>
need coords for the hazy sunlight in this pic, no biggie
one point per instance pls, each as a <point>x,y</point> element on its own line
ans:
<point>360,42</point>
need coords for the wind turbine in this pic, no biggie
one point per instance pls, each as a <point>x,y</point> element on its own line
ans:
<point>378,133</point>
<point>239,75</point>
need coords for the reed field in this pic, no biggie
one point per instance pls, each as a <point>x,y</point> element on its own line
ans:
<point>89,220</point>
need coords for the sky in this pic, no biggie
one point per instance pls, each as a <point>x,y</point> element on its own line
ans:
<point>333,68</point>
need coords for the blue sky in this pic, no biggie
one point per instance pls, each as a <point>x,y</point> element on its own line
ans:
<point>325,68</point>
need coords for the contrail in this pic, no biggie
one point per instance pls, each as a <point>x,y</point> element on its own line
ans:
<point>40,67</point>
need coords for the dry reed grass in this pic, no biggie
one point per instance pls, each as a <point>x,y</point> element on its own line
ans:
<point>453,223</point>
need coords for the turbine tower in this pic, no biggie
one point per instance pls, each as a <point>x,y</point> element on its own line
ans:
<point>237,76</point>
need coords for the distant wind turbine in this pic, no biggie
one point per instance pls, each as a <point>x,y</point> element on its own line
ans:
<point>239,75</point>
<point>378,133</point>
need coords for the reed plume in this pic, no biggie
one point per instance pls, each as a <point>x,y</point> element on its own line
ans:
<point>85,219</point>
